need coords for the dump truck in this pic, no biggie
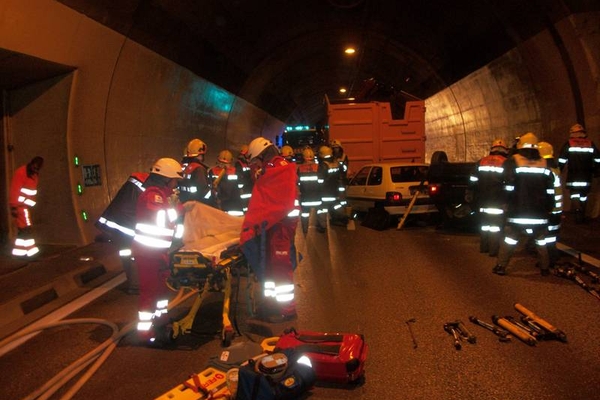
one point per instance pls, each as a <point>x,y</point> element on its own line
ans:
<point>369,134</point>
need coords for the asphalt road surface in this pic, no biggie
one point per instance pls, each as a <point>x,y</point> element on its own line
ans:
<point>367,282</point>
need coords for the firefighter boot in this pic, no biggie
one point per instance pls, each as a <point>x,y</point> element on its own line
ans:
<point>499,270</point>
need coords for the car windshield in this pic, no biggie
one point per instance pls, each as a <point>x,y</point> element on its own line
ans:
<point>416,173</point>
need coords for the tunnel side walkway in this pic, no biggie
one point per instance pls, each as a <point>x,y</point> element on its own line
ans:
<point>29,290</point>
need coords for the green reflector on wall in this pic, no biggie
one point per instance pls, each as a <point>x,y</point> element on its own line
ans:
<point>79,189</point>
<point>84,215</point>
<point>76,161</point>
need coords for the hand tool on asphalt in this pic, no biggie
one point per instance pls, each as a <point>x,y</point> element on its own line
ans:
<point>464,332</point>
<point>410,205</point>
<point>557,333</point>
<point>503,335</point>
<point>537,334</point>
<point>412,335</point>
<point>515,330</point>
<point>569,273</point>
<point>585,270</point>
<point>450,327</point>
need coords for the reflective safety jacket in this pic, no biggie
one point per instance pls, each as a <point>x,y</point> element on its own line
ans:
<point>488,184</point>
<point>310,184</point>
<point>23,188</point>
<point>245,180</point>
<point>156,218</point>
<point>329,171</point>
<point>195,184</point>
<point>342,162</point>
<point>119,216</point>
<point>583,158</point>
<point>529,184</point>
<point>225,188</point>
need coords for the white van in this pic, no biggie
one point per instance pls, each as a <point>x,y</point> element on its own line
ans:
<point>391,186</point>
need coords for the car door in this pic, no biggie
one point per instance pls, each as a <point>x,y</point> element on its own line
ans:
<point>356,190</point>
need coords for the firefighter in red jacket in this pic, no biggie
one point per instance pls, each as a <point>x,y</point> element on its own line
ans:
<point>582,157</point>
<point>269,227</point>
<point>486,184</point>
<point>22,198</point>
<point>529,191</point>
<point>157,212</point>
<point>195,184</point>
<point>118,222</point>
<point>224,182</point>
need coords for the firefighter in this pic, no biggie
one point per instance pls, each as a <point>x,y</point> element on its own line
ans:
<point>288,153</point>
<point>118,222</point>
<point>195,184</point>
<point>309,183</point>
<point>22,199</point>
<point>340,157</point>
<point>224,183</point>
<point>554,222</point>
<point>332,206</point>
<point>157,213</point>
<point>487,187</point>
<point>582,157</point>
<point>529,189</point>
<point>269,227</point>
<point>245,176</point>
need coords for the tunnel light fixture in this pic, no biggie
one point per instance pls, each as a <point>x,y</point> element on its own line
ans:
<point>349,50</point>
<point>76,161</point>
<point>79,189</point>
<point>343,90</point>
<point>84,215</point>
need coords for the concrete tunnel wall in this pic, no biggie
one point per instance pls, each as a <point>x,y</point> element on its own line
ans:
<point>128,106</point>
<point>528,89</point>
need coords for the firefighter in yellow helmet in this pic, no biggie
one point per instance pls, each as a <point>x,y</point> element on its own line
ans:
<point>486,185</point>
<point>224,183</point>
<point>332,206</point>
<point>195,184</point>
<point>582,159</point>
<point>547,152</point>
<point>529,191</point>
<point>310,184</point>
<point>288,153</point>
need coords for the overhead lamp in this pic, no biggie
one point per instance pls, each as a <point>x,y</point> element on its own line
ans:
<point>342,90</point>
<point>350,50</point>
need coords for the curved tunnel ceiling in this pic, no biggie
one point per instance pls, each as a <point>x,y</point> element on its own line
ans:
<point>284,56</point>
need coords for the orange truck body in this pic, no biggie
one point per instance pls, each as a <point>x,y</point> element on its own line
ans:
<point>369,134</point>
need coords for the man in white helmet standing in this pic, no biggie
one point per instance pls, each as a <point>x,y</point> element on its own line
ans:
<point>486,183</point>
<point>157,213</point>
<point>582,159</point>
<point>195,184</point>
<point>529,191</point>
<point>269,227</point>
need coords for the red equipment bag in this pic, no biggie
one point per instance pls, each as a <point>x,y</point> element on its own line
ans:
<point>335,357</point>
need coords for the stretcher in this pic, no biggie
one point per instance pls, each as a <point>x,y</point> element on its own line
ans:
<point>204,264</point>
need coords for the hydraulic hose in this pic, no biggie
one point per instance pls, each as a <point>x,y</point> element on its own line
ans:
<point>97,356</point>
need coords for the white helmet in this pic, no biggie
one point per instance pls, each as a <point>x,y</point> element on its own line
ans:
<point>167,167</point>
<point>257,146</point>
<point>195,147</point>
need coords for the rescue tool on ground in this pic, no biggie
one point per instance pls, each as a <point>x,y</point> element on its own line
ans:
<point>503,335</point>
